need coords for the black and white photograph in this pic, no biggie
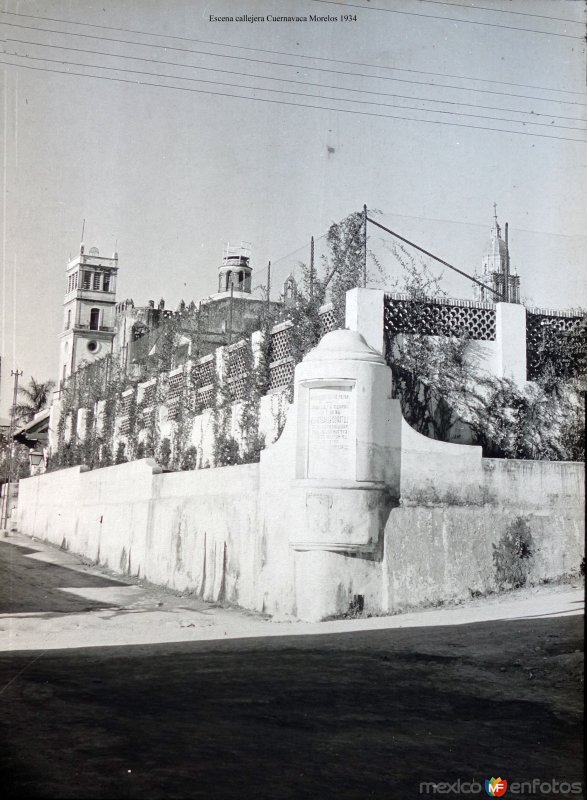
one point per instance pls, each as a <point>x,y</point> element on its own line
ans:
<point>293,373</point>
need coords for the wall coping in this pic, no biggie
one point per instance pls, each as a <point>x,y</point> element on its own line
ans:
<point>441,301</point>
<point>555,312</point>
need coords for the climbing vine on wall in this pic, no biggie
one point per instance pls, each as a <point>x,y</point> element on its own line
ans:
<point>225,449</point>
<point>98,387</point>
<point>255,380</point>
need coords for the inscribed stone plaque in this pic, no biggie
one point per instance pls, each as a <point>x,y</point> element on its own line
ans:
<point>331,432</point>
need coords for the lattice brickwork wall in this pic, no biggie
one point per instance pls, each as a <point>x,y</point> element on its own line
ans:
<point>204,371</point>
<point>124,412</point>
<point>237,371</point>
<point>147,405</point>
<point>439,317</point>
<point>181,385</point>
<point>537,322</point>
<point>327,319</point>
<point>175,393</point>
<point>206,397</point>
<point>281,365</point>
<point>203,376</point>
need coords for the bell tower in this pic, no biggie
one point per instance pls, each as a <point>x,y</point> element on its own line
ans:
<point>88,310</point>
<point>235,269</point>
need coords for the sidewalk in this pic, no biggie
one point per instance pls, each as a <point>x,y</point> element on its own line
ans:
<point>145,614</point>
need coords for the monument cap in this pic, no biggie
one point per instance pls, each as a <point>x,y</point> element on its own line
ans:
<point>344,345</point>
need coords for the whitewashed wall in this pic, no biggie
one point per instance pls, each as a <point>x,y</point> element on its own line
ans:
<point>236,534</point>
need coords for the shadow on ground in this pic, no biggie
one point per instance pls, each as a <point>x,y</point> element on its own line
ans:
<point>28,585</point>
<point>369,714</point>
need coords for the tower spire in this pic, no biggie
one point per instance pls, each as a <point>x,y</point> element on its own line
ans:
<point>496,227</point>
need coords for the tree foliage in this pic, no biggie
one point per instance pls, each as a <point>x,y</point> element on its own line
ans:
<point>34,398</point>
<point>444,390</point>
<point>346,260</point>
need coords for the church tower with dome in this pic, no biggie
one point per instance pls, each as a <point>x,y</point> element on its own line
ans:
<point>496,271</point>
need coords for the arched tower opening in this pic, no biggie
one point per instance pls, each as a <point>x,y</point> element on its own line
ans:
<point>235,270</point>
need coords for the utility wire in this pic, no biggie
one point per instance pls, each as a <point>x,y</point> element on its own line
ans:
<point>288,80</point>
<point>295,94</point>
<point>289,103</point>
<point>431,255</point>
<point>482,225</point>
<point>286,53</point>
<point>499,11</point>
<point>297,250</point>
<point>282,258</point>
<point>446,19</point>
<point>297,66</point>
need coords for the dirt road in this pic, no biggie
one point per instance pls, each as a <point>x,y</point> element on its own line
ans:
<point>367,713</point>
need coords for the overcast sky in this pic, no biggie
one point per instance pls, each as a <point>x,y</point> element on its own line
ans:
<point>167,176</point>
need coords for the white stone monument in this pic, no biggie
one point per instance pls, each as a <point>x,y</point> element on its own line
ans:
<point>347,434</point>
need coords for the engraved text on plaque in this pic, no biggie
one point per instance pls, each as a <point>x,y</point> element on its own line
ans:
<point>331,437</point>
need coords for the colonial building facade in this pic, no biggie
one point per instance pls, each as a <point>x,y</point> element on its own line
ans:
<point>95,325</point>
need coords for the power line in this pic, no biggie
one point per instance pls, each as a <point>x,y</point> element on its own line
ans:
<point>297,250</point>
<point>289,80</point>
<point>483,225</point>
<point>295,94</point>
<point>499,11</point>
<point>296,66</point>
<point>431,255</point>
<point>289,103</point>
<point>282,52</point>
<point>447,19</point>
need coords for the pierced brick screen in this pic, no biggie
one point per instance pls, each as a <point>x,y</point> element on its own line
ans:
<point>237,371</point>
<point>147,406</point>
<point>206,397</point>
<point>203,378</point>
<point>327,319</point>
<point>175,394</point>
<point>281,365</point>
<point>124,413</point>
<point>203,372</point>
<point>438,317</point>
<point>538,323</point>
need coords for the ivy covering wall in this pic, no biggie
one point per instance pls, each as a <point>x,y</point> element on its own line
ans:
<point>108,416</point>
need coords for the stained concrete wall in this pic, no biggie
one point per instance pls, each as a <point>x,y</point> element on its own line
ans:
<point>186,530</point>
<point>456,505</point>
<point>224,533</point>
<point>241,534</point>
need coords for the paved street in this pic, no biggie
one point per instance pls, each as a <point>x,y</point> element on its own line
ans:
<point>264,710</point>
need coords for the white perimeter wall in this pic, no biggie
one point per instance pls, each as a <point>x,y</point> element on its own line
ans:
<point>224,533</point>
<point>196,531</point>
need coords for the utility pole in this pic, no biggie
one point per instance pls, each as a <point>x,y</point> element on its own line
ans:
<point>230,312</point>
<point>506,282</point>
<point>268,284</point>
<point>365,247</point>
<point>312,268</point>
<point>4,519</point>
